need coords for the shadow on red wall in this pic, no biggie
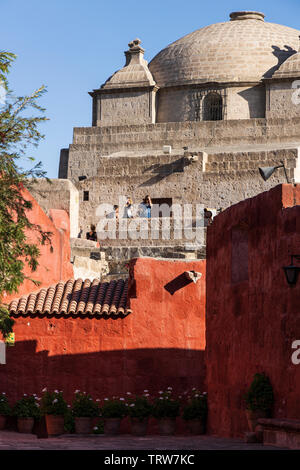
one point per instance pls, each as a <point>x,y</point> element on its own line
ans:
<point>102,374</point>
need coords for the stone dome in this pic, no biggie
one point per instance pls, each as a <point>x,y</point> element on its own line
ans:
<point>244,49</point>
<point>290,68</point>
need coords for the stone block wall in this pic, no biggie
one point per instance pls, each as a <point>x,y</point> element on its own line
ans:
<point>92,142</point>
<point>282,99</point>
<point>246,102</point>
<point>215,180</point>
<point>125,107</point>
<point>58,194</point>
<point>179,104</point>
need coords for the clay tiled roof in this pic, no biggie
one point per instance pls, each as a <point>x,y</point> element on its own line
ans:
<point>75,297</point>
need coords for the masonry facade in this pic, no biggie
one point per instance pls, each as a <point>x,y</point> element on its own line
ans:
<point>225,93</point>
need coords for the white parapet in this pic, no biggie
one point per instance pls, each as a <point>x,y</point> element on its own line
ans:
<point>2,352</point>
<point>297,169</point>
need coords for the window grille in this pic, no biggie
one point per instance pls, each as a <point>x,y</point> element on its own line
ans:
<point>213,107</point>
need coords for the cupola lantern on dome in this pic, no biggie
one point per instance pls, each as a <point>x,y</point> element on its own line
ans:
<point>246,15</point>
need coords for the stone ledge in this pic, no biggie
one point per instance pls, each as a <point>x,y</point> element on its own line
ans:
<point>281,432</point>
<point>286,424</point>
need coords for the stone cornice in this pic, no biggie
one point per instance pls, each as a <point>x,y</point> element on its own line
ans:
<point>127,89</point>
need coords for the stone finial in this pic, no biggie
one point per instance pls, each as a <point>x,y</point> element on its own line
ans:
<point>135,44</point>
<point>135,53</point>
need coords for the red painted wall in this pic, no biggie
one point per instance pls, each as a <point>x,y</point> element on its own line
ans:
<point>253,316</point>
<point>53,266</point>
<point>160,344</point>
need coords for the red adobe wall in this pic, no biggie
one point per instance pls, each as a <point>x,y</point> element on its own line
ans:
<point>161,343</point>
<point>53,266</point>
<point>253,316</point>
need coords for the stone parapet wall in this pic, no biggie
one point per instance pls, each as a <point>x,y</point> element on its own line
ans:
<point>283,99</point>
<point>231,132</point>
<point>112,260</point>
<point>58,194</point>
<point>231,162</point>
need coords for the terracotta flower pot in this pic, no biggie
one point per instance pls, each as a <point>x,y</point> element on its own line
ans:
<point>83,425</point>
<point>112,425</point>
<point>196,426</point>
<point>253,416</point>
<point>55,425</point>
<point>25,425</point>
<point>167,426</point>
<point>2,421</point>
<point>139,426</point>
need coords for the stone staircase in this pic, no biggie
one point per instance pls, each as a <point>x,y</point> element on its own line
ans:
<point>111,262</point>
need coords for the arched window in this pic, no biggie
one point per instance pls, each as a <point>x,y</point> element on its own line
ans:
<point>212,107</point>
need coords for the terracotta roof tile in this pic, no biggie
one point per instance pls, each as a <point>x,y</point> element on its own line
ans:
<point>75,297</point>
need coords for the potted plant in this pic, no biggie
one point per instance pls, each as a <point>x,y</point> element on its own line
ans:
<point>113,410</point>
<point>166,408</point>
<point>259,400</point>
<point>195,412</point>
<point>27,409</point>
<point>5,410</point>
<point>139,410</point>
<point>84,409</point>
<point>54,407</point>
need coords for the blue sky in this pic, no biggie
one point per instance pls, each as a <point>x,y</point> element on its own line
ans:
<point>73,46</point>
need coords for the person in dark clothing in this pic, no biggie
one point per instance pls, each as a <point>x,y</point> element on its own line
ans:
<point>92,235</point>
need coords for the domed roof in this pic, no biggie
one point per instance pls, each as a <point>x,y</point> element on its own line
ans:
<point>290,68</point>
<point>244,49</point>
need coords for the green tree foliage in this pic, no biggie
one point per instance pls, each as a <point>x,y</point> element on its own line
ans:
<point>18,133</point>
